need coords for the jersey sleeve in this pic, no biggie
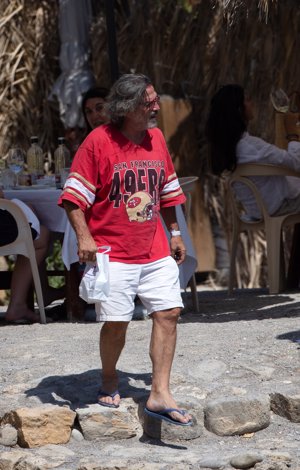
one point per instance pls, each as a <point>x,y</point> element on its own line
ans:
<point>81,184</point>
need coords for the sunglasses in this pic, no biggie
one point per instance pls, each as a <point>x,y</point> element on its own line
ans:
<point>150,104</point>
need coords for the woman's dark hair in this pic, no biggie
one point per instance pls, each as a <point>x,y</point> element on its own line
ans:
<point>224,127</point>
<point>96,92</point>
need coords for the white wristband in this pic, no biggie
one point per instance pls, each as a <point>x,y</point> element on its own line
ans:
<point>175,233</point>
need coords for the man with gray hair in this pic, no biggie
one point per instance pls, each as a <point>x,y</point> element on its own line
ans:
<point>121,180</point>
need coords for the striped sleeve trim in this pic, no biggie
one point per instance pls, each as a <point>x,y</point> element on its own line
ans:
<point>80,190</point>
<point>172,177</point>
<point>76,195</point>
<point>171,195</point>
<point>171,188</point>
<point>83,180</point>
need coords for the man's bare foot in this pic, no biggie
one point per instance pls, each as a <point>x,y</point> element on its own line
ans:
<point>167,407</point>
<point>108,395</point>
<point>111,400</point>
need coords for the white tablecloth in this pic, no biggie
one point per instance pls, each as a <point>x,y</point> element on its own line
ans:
<point>44,202</point>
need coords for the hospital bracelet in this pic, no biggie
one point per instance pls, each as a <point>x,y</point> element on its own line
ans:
<point>175,233</point>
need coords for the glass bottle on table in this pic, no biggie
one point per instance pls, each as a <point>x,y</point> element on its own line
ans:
<point>35,160</point>
<point>62,160</point>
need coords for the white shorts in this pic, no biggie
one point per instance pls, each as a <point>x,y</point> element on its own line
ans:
<point>156,284</point>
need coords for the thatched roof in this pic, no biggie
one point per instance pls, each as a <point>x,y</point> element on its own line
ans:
<point>29,48</point>
<point>186,46</point>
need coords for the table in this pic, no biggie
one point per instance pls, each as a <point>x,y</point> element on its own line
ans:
<point>44,202</point>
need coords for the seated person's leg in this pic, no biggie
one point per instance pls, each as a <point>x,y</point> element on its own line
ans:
<point>22,279</point>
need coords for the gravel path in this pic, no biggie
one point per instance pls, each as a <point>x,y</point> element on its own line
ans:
<point>248,343</point>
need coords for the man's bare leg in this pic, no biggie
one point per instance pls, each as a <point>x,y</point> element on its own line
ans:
<point>112,341</point>
<point>162,349</point>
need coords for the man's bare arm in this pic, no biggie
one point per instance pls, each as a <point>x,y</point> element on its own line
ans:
<point>87,247</point>
<point>178,250</point>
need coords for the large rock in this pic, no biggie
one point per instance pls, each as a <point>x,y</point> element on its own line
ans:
<point>245,461</point>
<point>160,429</point>
<point>287,406</point>
<point>237,415</point>
<point>100,422</point>
<point>20,460</point>
<point>208,370</point>
<point>8,435</point>
<point>42,425</point>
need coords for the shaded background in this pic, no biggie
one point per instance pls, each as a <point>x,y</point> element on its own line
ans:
<point>189,49</point>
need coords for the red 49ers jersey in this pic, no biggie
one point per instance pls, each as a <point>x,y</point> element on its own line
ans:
<point>121,187</point>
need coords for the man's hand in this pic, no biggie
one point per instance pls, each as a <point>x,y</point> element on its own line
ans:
<point>87,249</point>
<point>178,250</point>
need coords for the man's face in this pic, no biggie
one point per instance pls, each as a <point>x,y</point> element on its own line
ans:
<point>144,117</point>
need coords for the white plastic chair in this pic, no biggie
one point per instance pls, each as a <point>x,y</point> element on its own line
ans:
<point>272,225</point>
<point>23,245</point>
<point>188,184</point>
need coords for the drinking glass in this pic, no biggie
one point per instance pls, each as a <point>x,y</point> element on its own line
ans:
<point>280,100</point>
<point>15,161</point>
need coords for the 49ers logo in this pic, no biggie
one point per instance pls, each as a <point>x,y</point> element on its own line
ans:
<point>139,207</point>
<point>134,202</point>
<point>132,182</point>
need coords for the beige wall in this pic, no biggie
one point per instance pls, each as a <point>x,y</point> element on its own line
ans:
<point>172,114</point>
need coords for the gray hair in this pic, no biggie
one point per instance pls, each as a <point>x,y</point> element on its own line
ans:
<point>126,94</point>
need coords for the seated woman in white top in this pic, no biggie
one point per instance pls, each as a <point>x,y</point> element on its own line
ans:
<point>231,144</point>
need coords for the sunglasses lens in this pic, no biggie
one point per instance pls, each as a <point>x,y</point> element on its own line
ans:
<point>150,104</point>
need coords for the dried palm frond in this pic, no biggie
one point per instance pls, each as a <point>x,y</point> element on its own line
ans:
<point>234,9</point>
<point>28,33</point>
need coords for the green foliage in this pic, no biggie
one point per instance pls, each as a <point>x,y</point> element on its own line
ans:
<point>54,262</point>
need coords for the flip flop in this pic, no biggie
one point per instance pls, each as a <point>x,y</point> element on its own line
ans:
<point>164,415</point>
<point>102,394</point>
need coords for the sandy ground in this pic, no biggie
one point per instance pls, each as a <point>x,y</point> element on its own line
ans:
<point>247,343</point>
